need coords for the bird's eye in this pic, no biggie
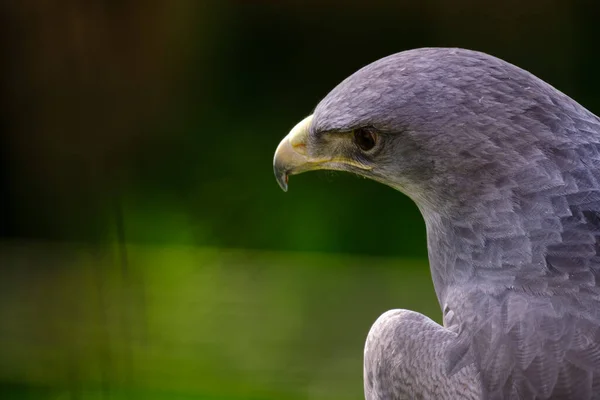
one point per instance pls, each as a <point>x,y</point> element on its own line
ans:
<point>365,138</point>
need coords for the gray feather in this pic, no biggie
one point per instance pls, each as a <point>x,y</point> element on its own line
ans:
<point>506,171</point>
<point>401,346</point>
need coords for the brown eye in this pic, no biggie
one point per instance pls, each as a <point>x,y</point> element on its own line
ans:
<point>365,138</point>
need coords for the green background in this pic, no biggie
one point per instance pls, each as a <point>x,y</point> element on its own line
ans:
<point>147,250</point>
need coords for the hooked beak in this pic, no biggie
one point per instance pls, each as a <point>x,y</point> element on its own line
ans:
<point>291,156</point>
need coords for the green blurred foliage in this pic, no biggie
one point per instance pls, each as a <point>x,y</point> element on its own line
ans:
<point>202,323</point>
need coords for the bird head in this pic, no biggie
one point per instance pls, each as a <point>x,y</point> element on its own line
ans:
<point>441,125</point>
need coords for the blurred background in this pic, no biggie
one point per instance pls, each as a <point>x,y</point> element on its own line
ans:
<point>147,251</point>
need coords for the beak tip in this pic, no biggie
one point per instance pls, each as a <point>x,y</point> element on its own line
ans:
<point>290,156</point>
<point>282,180</point>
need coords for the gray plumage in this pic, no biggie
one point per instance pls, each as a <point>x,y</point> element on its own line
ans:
<point>506,172</point>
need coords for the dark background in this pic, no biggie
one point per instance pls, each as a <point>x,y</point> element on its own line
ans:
<point>132,128</point>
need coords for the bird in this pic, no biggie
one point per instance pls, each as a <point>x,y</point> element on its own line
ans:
<point>505,170</point>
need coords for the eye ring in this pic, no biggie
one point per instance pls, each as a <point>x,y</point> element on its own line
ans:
<point>365,138</point>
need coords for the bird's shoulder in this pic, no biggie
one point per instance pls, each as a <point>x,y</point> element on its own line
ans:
<point>405,356</point>
<point>527,345</point>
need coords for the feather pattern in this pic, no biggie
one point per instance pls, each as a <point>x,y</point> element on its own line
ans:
<point>506,171</point>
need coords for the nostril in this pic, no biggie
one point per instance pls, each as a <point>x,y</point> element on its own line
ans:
<point>299,147</point>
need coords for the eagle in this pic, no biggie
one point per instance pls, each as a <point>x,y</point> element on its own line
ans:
<point>505,170</point>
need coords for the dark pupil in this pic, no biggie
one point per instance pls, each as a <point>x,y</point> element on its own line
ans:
<point>364,138</point>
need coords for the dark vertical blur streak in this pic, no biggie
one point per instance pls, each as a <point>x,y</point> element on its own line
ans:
<point>7,206</point>
<point>104,355</point>
<point>130,290</point>
<point>93,55</point>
